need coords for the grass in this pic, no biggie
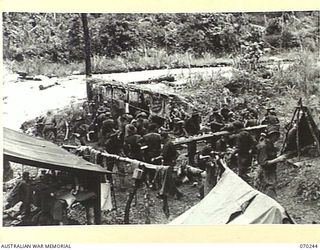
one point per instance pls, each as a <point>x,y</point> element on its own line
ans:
<point>41,67</point>
<point>129,61</point>
<point>302,76</point>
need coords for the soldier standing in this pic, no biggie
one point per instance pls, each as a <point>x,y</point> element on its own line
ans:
<point>152,141</point>
<point>50,124</point>
<point>132,143</point>
<point>267,159</point>
<point>245,144</point>
<point>169,154</point>
<point>191,128</point>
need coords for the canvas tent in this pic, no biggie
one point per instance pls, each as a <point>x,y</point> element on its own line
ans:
<point>37,152</point>
<point>233,201</point>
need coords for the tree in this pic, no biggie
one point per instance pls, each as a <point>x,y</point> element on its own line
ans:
<point>87,51</point>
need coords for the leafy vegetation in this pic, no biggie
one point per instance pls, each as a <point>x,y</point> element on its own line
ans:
<point>57,37</point>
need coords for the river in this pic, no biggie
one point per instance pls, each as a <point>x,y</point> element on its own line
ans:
<point>23,100</point>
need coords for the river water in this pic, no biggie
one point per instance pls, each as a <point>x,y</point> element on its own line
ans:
<point>22,99</point>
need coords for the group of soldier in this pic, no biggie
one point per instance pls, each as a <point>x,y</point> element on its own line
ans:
<point>242,147</point>
<point>141,137</point>
<point>149,138</point>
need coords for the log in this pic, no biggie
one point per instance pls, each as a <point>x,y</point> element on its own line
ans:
<point>136,162</point>
<point>124,159</point>
<point>46,86</point>
<point>216,134</point>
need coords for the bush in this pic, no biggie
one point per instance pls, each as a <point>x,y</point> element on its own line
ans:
<point>309,184</point>
<point>303,74</point>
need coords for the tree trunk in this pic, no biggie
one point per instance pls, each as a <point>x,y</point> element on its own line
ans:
<point>87,52</point>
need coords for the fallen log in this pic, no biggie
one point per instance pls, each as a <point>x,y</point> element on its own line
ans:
<point>158,79</point>
<point>25,76</point>
<point>46,86</point>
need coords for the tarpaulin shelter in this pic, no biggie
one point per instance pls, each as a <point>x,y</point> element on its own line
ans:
<point>37,152</point>
<point>233,201</point>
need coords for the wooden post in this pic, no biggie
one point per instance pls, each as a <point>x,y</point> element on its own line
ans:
<point>132,194</point>
<point>211,178</point>
<point>87,52</point>
<point>97,203</point>
<point>147,205</point>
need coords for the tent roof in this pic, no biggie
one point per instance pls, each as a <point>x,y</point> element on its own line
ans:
<point>37,152</point>
<point>233,201</point>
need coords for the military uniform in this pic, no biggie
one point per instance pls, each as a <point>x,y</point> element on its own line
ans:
<point>132,143</point>
<point>169,154</point>
<point>192,127</point>
<point>245,144</point>
<point>153,141</point>
<point>50,124</point>
<point>266,179</point>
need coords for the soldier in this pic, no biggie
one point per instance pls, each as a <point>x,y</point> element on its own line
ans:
<point>169,154</point>
<point>267,159</point>
<point>178,127</point>
<point>245,144</point>
<point>271,119</point>
<point>216,122</point>
<point>50,124</point>
<point>206,164</point>
<point>224,112</point>
<point>132,143</point>
<point>97,122</point>
<point>122,122</point>
<point>81,129</point>
<point>25,195</point>
<point>7,171</point>
<point>107,126</point>
<point>110,140</point>
<point>142,123</point>
<point>191,128</point>
<point>173,114</point>
<point>221,144</point>
<point>152,141</point>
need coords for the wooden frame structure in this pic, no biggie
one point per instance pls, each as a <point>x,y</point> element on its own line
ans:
<point>299,112</point>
